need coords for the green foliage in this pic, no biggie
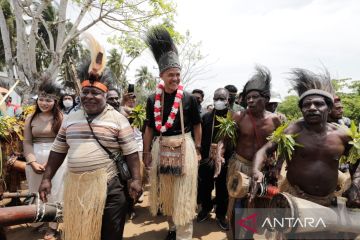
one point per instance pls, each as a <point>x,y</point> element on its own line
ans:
<point>138,115</point>
<point>116,64</point>
<point>145,84</point>
<point>145,78</point>
<point>138,17</point>
<point>349,92</point>
<point>226,129</point>
<point>351,104</point>
<point>290,108</point>
<point>285,142</point>
<point>131,43</point>
<point>354,152</point>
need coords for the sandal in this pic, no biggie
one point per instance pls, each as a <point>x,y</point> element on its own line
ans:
<point>51,234</point>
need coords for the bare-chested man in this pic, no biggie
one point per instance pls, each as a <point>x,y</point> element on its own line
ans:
<point>312,173</point>
<point>254,126</point>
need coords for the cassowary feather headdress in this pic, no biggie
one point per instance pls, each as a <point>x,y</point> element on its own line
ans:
<point>163,48</point>
<point>307,83</point>
<point>260,81</point>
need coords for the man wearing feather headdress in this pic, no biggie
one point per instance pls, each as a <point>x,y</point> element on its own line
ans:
<point>254,125</point>
<point>94,201</point>
<point>312,172</point>
<point>173,157</point>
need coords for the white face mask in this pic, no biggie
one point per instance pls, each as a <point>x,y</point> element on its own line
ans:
<point>219,105</point>
<point>68,103</point>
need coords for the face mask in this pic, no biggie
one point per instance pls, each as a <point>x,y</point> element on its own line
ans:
<point>68,103</point>
<point>219,105</point>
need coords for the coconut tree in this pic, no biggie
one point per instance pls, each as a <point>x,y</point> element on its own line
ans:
<point>144,78</point>
<point>145,83</point>
<point>115,63</point>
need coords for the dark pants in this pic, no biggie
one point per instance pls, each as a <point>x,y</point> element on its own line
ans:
<point>115,211</point>
<point>206,182</point>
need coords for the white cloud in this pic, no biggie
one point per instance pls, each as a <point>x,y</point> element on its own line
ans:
<point>279,34</point>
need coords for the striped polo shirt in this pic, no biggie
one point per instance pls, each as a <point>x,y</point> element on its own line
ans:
<point>83,151</point>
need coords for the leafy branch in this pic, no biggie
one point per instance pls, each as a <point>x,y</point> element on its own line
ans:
<point>354,152</point>
<point>285,142</point>
<point>138,115</point>
<point>226,129</point>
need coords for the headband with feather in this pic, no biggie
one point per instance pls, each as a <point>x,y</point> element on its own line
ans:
<point>162,46</point>
<point>98,58</point>
<point>94,73</point>
<point>260,81</point>
<point>307,83</point>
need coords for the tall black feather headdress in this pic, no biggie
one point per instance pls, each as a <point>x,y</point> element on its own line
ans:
<point>260,81</point>
<point>307,83</point>
<point>162,46</point>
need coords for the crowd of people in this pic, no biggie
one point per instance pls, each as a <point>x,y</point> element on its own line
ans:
<point>82,149</point>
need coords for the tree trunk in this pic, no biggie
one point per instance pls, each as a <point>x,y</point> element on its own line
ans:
<point>7,47</point>
<point>22,50</point>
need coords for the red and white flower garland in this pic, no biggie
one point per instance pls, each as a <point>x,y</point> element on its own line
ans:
<point>174,110</point>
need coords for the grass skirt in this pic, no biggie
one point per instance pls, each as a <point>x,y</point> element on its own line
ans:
<point>84,203</point>
<point>175,195</point>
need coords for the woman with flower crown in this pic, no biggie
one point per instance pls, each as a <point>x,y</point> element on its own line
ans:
<point>171,115</point>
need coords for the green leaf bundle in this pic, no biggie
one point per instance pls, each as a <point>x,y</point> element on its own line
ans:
<point>226,129</point>
<point>285,142</point>
<point>354,152</point>
<point>138,115</point>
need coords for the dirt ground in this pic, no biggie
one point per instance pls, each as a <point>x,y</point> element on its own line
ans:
<point>144,226</point>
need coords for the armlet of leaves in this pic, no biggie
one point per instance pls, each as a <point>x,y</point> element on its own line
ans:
<point>285,142</point>
<point>138,115</point>
<point>354,152</point>
<point>226,129</point>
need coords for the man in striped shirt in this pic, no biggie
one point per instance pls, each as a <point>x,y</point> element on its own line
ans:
<point>94,201</point>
